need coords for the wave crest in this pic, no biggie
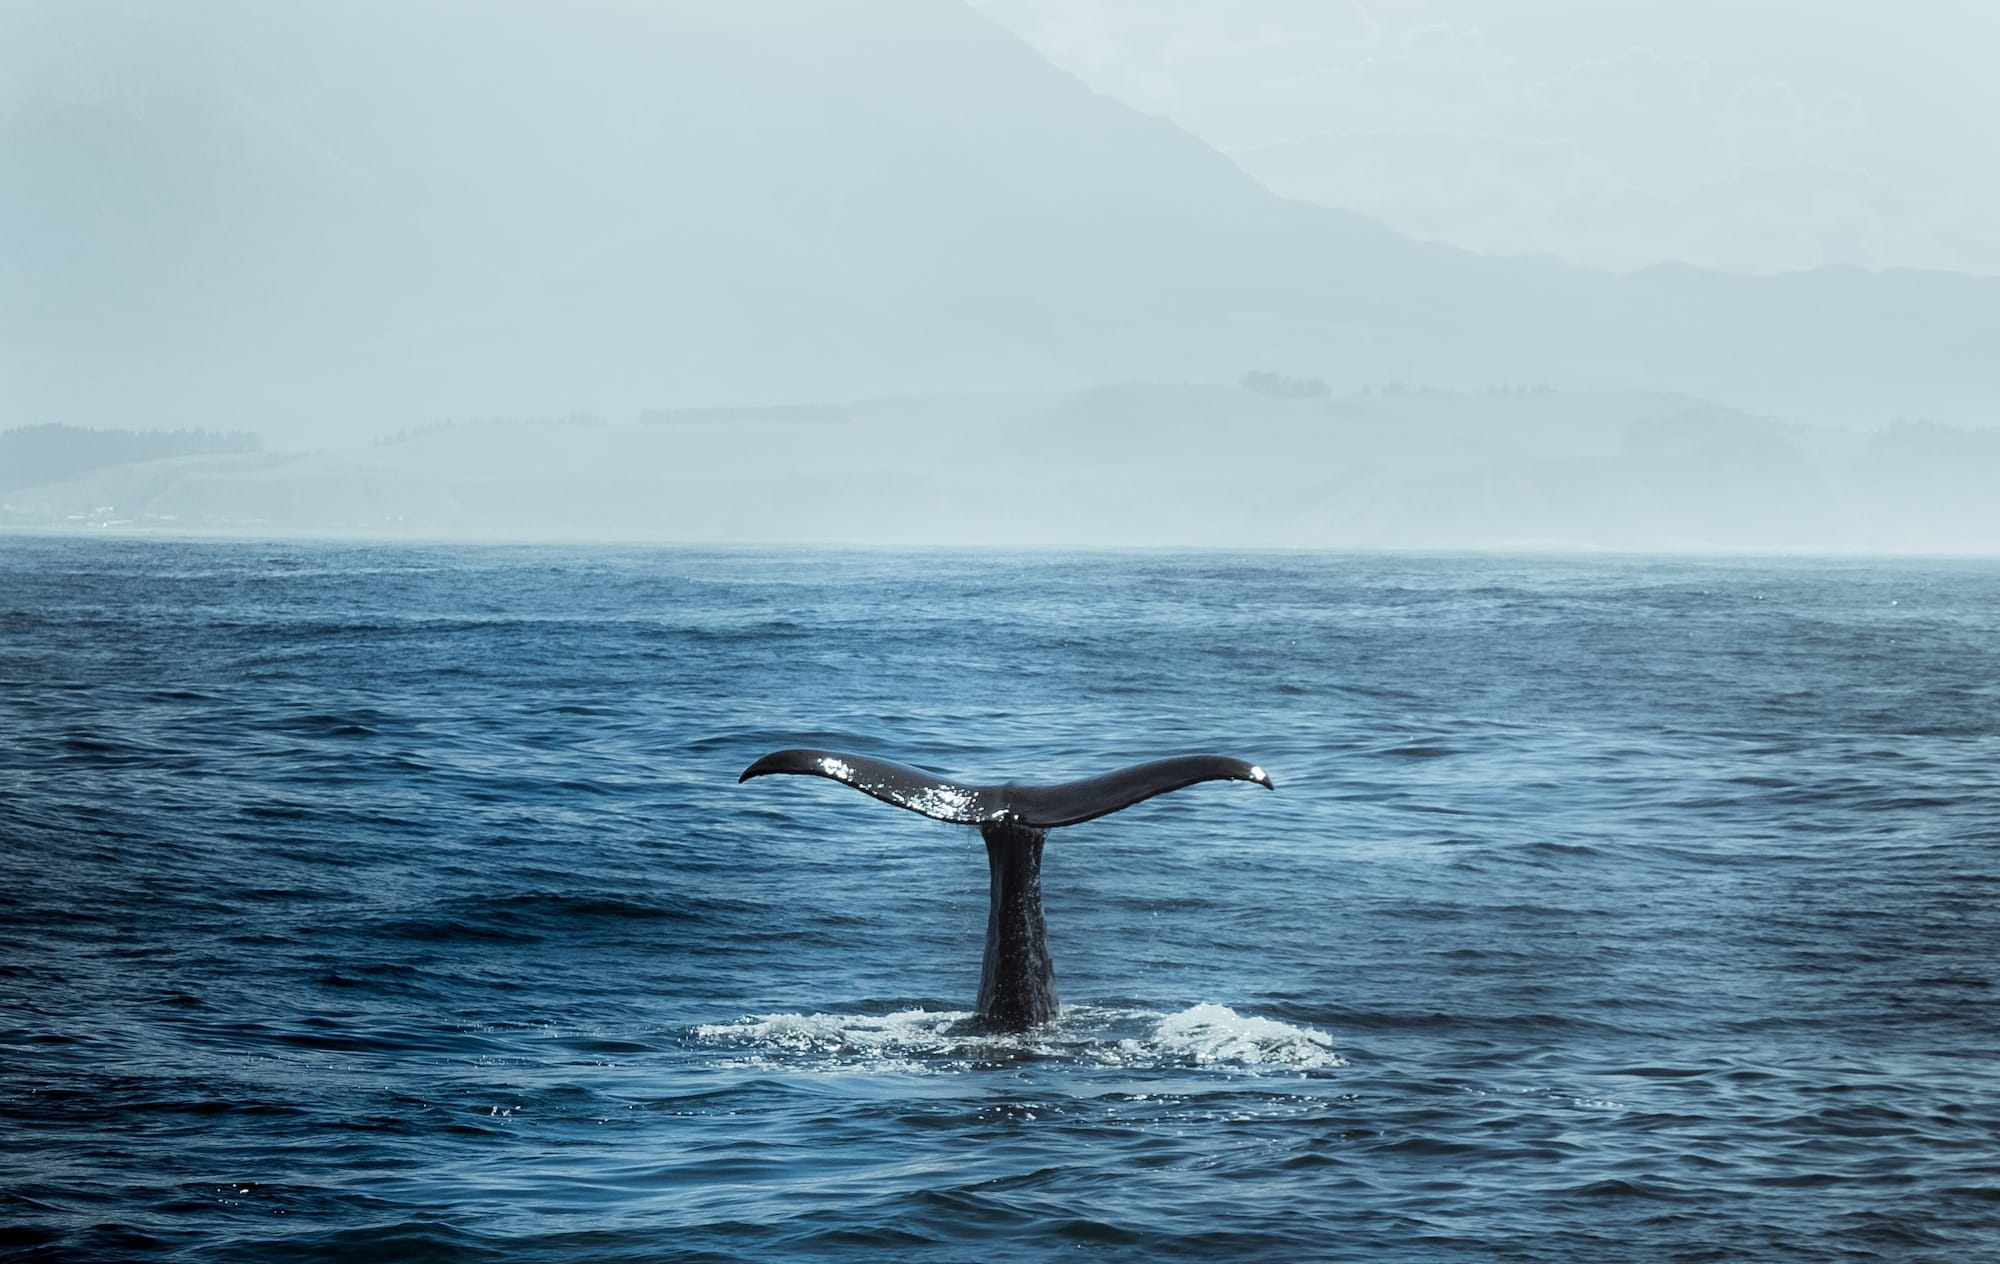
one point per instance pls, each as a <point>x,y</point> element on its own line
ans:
<point>1215,1035</point>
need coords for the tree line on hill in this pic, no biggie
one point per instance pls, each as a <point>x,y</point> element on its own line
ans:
<point>33,455</point>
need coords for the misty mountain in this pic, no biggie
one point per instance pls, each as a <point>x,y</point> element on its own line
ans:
<point>318,220</point>
<point>34,455</point>
<point>1132,465</point>
<point>1494,196</point>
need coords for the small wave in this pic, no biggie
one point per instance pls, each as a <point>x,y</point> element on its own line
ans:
<point>1201,1036</point>
<point>527,916</point>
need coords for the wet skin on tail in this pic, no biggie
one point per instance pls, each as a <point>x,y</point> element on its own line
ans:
<point>1017,985</point>
<point>1017,988</point>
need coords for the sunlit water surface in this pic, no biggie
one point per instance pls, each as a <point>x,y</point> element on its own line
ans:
<point>400,902</point>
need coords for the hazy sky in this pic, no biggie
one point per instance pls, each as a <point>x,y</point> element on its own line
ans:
<point>1754,135</point>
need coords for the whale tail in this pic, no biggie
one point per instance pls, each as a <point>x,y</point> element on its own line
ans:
<point>1012,803</point>
<point>1017,988</point>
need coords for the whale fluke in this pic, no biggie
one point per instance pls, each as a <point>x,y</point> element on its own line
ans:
<point>1036,807</point>
<point>1017,988</point>
<point>1073,802</point>
<point>906,787</point>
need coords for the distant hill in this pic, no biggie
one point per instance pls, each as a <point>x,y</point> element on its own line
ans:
<point>1134,465</point>
<point>32,455</point>
<point>322,219</point>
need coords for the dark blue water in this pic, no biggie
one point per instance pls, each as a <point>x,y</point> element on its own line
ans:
<point>399,902</point>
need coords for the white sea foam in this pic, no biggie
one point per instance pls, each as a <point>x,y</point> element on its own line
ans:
<point>1215,1035</point>
<point>1201,1036</point>
<point>905,1031</point>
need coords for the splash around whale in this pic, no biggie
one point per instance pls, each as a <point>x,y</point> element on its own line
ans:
<point>1017,984</point>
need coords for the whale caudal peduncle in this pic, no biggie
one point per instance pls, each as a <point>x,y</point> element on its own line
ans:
<point>1017,983</point>
<point>1017,987</point>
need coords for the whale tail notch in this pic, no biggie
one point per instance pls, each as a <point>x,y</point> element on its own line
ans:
<point>1041,807</point>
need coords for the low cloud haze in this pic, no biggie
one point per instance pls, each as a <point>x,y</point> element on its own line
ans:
<point>1017,273</point>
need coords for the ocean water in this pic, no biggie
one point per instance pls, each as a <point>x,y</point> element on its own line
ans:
<point>399,902</point>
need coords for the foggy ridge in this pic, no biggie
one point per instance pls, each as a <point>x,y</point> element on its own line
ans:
<point>1133,465</point>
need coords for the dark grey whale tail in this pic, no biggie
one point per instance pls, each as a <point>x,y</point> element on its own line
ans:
<point>1036,807</point>
<point>1017,986</point>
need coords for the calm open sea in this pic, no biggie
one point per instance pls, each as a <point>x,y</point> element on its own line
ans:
<point>399,902</point>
